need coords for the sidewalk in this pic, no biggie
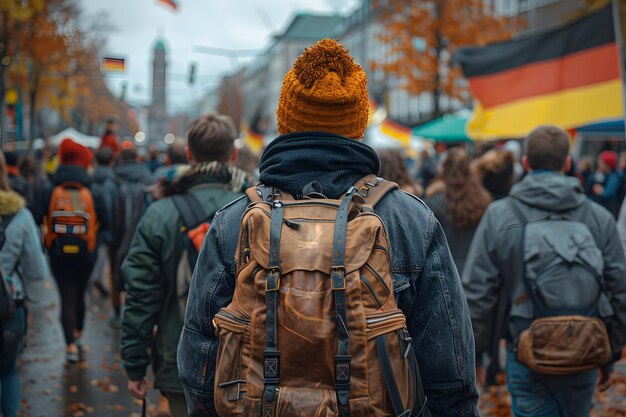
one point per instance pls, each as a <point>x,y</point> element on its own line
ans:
<point>95,387</point>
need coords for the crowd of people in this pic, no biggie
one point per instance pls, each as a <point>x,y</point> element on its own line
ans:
<point>160,235</point>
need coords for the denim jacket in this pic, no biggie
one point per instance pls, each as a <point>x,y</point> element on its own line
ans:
<point>426,284</point>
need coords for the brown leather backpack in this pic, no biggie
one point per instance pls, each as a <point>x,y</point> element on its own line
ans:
<point>313,328</point>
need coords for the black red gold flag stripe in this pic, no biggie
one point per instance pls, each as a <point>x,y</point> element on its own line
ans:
<point>110,64</point>
<point>568,77</point>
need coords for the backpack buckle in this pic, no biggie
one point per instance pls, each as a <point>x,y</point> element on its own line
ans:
<point>338,278</point>
<point>272,283</point>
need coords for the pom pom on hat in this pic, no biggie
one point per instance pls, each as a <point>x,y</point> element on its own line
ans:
<point>324,91</point>
<point>73,153</point>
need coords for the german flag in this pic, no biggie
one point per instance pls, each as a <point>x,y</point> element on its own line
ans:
<point>169,3</point>
<point>566,77</point>
<point>110,64</point>
<point>255,141</point>
<point>396,131</point>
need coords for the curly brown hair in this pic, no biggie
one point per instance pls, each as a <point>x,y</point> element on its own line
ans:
<point>466,198</point>
<point>393,168</point>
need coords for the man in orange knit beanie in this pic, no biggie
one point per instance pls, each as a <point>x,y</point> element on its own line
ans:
<point>321,116</point>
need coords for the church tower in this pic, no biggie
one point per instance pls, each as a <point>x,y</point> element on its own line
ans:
<point>157,119</point>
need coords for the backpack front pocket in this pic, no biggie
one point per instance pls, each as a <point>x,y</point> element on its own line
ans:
<point>392,368</point>
<point>233,357</point>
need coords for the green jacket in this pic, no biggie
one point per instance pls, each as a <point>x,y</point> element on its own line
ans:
<point>150,276</point>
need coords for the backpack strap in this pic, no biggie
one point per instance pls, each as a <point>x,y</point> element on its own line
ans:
<point>519,214</point>
<point>373,189</point>
<point>190,209</point>
<point>271,355</point>
<point>338,285</point>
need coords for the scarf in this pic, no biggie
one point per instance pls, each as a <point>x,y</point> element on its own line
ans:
<point>179,179</point>
<point>305,162</point>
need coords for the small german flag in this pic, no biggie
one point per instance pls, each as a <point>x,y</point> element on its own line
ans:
<point>110,64</point>
<point>396,131</point>
<point>172,4</point>
<point>255,141</point>
<point>566,77</point>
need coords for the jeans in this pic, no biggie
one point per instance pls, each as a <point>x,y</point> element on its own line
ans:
<point>10,388</point>
<point>535,395</point>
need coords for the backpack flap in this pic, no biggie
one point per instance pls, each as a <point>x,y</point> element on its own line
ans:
<point>309,230</point>
<point>564,266</point>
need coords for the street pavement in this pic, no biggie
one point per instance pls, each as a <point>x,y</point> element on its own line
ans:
<point>94,387</point>
<point>97,386</point>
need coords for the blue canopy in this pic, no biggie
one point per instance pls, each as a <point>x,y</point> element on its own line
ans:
<point>615,126</point>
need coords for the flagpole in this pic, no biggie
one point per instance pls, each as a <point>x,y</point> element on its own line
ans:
<point>617,27</point>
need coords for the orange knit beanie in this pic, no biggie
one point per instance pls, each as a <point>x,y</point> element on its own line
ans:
<point>324,91</point>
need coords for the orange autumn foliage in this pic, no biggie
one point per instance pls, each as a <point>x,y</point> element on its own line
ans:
<point>421,37</point>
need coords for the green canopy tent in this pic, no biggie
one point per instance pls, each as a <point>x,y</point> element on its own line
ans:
<point>449,128</point>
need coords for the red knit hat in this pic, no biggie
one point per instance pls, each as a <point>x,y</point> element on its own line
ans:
<point>609,158</point>
<point>73,153</point>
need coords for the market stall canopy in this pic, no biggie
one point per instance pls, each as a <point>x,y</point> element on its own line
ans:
<point>85,140</point>
<point>615,126</point>
<point>448,128</point>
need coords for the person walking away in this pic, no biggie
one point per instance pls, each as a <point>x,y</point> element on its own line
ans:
<point>393,168</point>
<point>103,179</point>
<point>607,183</point>
<point>75,213</point>
<point>109,139</point>
<point>460,204</point>
<point>23,262</point>
<point>132,198</point>
<point>158,267</point>
<point>308,357</point>
<point>38,187</point>
<point>548,258</point>
<point>16,181</point>
<point>496,171</point>
<point>174,158</point>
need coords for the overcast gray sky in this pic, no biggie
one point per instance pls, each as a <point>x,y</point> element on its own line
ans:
<point>234,24</point>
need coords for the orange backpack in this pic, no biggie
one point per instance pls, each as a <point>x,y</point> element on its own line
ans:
<point>71,224</point>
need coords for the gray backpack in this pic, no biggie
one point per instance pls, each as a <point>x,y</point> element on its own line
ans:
<point>563,268</point>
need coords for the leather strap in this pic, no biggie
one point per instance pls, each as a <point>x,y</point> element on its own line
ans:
<point>271,355</point>
<point>419,397</point>
<point>389,377</point>
<point>338,285</point>
<point>373,189</point>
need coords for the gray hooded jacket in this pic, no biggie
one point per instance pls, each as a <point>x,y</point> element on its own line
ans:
<point>493,269</point>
